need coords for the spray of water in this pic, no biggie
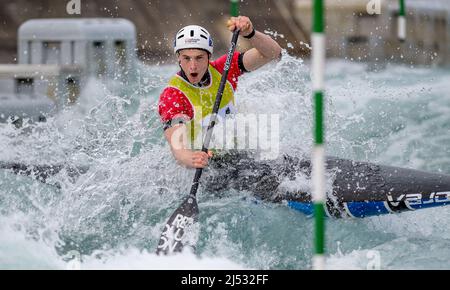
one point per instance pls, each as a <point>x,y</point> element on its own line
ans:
<point>113,213</point>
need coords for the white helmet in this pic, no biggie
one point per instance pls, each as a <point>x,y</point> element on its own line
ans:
<point>193,36</point>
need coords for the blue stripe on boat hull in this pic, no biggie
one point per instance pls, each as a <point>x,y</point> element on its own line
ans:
<point>367,208</point>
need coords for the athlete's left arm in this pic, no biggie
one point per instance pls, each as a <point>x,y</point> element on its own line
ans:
<point>264,48</point>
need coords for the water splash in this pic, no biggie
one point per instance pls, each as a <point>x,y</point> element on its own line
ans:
<point>114,213</point>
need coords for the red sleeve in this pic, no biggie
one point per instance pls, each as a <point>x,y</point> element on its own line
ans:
<point>174,104</point>
<point>234,71</point>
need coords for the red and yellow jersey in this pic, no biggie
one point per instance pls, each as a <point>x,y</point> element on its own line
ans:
<point>182,100</point>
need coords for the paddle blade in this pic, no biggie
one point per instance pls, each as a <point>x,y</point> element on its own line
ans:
<point>173,236</point>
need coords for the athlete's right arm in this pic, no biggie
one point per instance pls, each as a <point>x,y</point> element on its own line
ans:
<point>176,136</point>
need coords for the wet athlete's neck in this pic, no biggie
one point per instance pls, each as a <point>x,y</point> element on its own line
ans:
<point>202,83</point>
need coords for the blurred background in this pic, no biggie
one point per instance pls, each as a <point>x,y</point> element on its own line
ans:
<point>351,31</point>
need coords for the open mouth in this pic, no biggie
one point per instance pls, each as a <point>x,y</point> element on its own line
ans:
<point>194,75</point>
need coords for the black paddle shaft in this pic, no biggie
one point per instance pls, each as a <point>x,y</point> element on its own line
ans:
<point>187,213</point>
<point>212,123</point>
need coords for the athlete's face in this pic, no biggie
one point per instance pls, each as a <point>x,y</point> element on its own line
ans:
<point>194,63</point>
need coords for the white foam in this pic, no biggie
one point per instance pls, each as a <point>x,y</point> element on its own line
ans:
<point>136,259</point>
